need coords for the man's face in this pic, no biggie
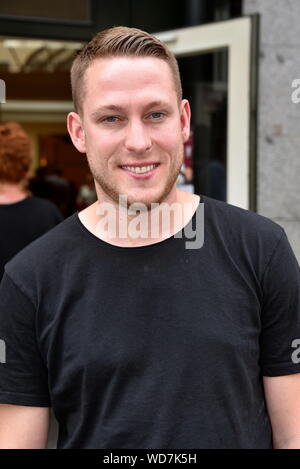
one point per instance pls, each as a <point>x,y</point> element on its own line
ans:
<point>132,129</point>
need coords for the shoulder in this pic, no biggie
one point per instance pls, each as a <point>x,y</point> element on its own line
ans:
<point>240,221</point>
<point>246,237</point>
<point>45,254</point>
<point>43,204</point>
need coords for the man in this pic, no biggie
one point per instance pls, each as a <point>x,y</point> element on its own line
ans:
<point>140,341</point>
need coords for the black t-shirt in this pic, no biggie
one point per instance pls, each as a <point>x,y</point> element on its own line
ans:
<point>22,222</point>
<point>156,346</point>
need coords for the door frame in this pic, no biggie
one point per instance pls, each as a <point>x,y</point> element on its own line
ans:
<point>239,37</point>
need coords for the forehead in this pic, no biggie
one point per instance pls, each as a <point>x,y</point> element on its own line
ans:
<point>133,76</point>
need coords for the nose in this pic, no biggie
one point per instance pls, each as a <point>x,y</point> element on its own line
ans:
<point>137,137</point>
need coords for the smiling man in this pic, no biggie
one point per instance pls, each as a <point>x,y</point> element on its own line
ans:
<point>132,124</point>
<point>133,339</point>
<point>132,118</point>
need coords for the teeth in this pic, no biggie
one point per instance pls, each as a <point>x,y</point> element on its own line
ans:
<point>139,169</point>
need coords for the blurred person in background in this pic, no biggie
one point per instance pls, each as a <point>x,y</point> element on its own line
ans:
<point>38,185</point>
<point>23,217</point>
<point>52,185</point>
<point>63,192</point>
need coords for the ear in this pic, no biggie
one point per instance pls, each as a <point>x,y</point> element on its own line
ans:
<point>185,118</point>
<point>76,131</point>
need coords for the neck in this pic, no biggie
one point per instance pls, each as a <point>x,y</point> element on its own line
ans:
<point>119,226</point>
<point>11,193</point>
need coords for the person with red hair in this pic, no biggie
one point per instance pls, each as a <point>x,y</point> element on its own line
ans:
<point>23,217</point>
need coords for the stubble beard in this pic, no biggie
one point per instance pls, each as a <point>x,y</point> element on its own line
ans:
<point>108,190</point>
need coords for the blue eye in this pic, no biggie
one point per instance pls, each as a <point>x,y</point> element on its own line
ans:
<point>111,119</point>
<point>156,115</point>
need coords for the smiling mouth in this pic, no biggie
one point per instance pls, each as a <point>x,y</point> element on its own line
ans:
<point>140,169</point>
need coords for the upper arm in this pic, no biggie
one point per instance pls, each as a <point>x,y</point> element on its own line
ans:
<point>283,405</point>
<point>280,366</point>
<point>23,427</point>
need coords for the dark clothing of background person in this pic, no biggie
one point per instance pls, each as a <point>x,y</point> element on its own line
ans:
<point>63,194</point>
<point>39,186</point>
<point>56,189</point>
<point>22,222</point>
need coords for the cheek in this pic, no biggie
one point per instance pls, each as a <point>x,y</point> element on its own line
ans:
<point>100,145</point>
<point>171,138</point>
<point>172,144</point>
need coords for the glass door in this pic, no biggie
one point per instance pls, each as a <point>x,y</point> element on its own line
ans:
<point>216,64</point>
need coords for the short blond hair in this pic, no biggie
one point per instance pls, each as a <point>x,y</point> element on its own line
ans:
<point>117,42</point>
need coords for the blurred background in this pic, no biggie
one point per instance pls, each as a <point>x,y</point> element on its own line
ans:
<point>238,59</point>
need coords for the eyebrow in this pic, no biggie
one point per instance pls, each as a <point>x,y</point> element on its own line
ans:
<point>114,108</point>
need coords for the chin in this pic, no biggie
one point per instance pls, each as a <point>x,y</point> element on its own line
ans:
<point>147,200</point>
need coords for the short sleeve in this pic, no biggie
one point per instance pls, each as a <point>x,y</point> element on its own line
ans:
<point>280,314</point>
<point>23,375</point>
